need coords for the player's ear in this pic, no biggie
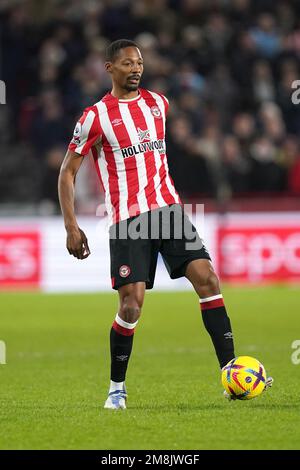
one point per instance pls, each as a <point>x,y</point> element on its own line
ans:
<point>108,67</point>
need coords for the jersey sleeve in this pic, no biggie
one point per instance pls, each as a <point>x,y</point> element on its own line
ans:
<point>87,132</point>
<point>166,103</point>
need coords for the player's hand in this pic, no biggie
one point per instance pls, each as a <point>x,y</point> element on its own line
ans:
<point>77,243</point>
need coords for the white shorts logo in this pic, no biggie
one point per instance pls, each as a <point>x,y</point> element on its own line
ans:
<point>124,270</point>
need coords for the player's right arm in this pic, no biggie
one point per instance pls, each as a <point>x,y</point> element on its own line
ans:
<point>77,244</point>
<point>87,133</point>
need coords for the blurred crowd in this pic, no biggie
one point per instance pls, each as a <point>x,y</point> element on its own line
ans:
<point>227,67</point>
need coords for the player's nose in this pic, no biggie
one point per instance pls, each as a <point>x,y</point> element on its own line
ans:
<point>136,68</point>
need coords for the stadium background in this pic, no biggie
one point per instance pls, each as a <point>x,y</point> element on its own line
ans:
<point>233,130</point>
<point>227,67</point>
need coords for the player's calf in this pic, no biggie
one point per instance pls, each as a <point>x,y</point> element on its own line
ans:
<point>217,323</point>
<point>214,315</point>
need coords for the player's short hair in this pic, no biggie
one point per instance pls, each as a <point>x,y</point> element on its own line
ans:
<point>114,48</point>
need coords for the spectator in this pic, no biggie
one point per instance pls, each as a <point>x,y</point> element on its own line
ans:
<point>48,126</point>
<point>265,174</point>
<point>226,67</point>
<point>235,165</point>
<point>53,160</point>
<point>266,37</point>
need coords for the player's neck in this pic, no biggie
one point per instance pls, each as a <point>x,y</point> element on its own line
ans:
<point>122,94</point>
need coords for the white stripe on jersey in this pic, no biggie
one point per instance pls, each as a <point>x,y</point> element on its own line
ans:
<point>158,163</point>
<point>169,184</point>
<point>86,127</point>
<point>140,158</point>
<point>119,160</point>
<point>161,105</point>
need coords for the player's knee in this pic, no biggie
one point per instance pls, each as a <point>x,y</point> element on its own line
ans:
<point>208,284</point>
<point>130,309</point>
<point>213,284</point>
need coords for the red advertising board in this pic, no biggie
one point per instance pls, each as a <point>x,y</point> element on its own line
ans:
<point>20,258</point>
<point>257,254</point>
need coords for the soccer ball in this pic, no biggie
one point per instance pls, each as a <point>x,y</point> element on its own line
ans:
<point>244,377</point>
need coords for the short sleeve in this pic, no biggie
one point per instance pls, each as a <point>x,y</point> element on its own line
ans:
<point>166,103</point>
<point>87,132</point>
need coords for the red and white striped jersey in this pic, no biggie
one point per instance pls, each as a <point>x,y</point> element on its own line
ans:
<point>127,140</point>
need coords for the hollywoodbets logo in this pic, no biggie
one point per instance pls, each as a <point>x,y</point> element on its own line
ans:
<point>143,147</point>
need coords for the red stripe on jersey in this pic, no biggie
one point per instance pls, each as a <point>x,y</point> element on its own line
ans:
<point>93,135</point>
<point>113,183</point>
<point>164,174</point>
<point>165,162</point>
<point>122,331</point>
<point>94,132</point>
<point>150,101</point>
<point>164,188</point>
<point>130,163</point>
<point>139,120</point>
<point>212,304</point>
<point>166,103</point>
<point>72,146</point>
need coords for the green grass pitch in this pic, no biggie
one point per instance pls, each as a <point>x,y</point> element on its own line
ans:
<point>55,382</point>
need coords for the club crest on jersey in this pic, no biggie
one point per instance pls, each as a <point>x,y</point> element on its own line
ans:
<point>124,270</point>
<point>77,134</point>
<point>155,111</point>
<point>143,135</point>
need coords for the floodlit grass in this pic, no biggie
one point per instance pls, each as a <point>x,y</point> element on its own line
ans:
<point>55,382</point>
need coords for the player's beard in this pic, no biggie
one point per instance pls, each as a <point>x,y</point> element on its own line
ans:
<point>131,86</point>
